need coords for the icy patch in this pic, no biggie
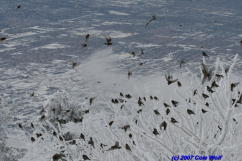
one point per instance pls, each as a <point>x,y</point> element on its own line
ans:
<point>115,23</point>
<point>52,46</point>
<point>118,13</point>
<point>139,45</point>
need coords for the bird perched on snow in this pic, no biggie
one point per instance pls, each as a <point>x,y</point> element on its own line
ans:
<point>163,125</point>
<point>233,85</point>
<point>85,157</point>
<point>127,147</point>
<point>73,64</point>
<point>87,37</point>
<point>108,41</point>
<point>3,38</point>
<point>205,54</point>
<point>190,112</point>
<point>115,146</point>
<point>129,74</point>
<point>91,142</point>
<point>91,100</point>
<point>173,120</point>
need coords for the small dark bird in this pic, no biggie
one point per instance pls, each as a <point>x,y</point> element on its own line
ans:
<point>190,112</point>
<point>20,126</point>
<point>152,19</point>
<point>3,38</point>
<point>136,121</point>
<point>214,84</point>
<point>61,138</point>
<point>140,110</point>
<point>115,101</point>
<point>54,133</point>
<point>167,111</point>
<point>170,80</point>
<point>32,94</point>
<point>155,132</point>
<point>110,123</point>
<point>233,85</point>
<point>207,74</point>
<point>91,100</point>
<point>220,129</point>
<point>204,111</point>
<point>130,135</point>
<point>129,74</point>
<point>205,95</point>
<point>173,120</point>
<point>84,45</point>
<point>141,63</point>
<point>126,127</point>
<point>144,98</point>
<point>73,64</point>
<point>127,147</point>
<point>86,111</point>
<point>219,75</point>
<point>128,96</point>
<point>18,6</point>
<point>56,157</point>
<point>182,62</point>
<point>194,92</point>
<point>42,117</point>
<point>175,103</point>
<point>151,97</point>
<point>32,139</point>
<point>240,99</point>
<point>179,84</point>
<point>115,146</point>
<point>38,135</point>
<point>134,143</point>
<point>241,42</point>
<point>156,112</point>
<point>133,53</point>
<point>205,54</point>
<point>85,157</point>
<point>166,105</point>
<point>140,103</point>
<point>102,145</point>
<point>87,37</point>
<point>163,125</point>
<point>207,104</point>
<point>121,94</point>
<point>108,41</point>
<point>210,89</point>
<point>91,142</point>
<point>82,136</point>
<point>122,106</point>
<point>156,98</point>
<point>32,125</point>
<point>233,101</point>
<point>226,70</point>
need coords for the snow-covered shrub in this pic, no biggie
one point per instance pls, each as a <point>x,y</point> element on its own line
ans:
<point>193,114</point>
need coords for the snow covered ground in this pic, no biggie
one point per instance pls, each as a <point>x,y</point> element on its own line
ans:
<point>60,99</point>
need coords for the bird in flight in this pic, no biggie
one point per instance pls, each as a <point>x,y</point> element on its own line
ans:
<point>151,19</point>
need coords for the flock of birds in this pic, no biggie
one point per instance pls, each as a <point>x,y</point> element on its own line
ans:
<point>123,98</point>
<point>141,100</point>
